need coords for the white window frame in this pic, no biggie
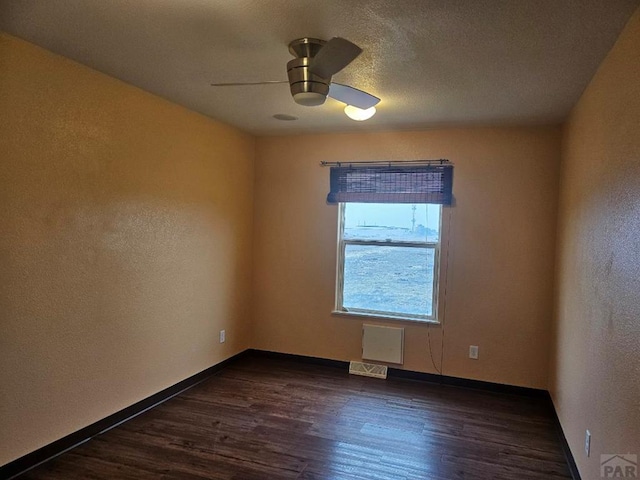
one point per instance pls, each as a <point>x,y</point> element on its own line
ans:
<point>342,245</point>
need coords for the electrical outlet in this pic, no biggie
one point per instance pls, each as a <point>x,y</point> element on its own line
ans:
<point>587,443</point>
<point>473,352</point>
<point>223,336</point>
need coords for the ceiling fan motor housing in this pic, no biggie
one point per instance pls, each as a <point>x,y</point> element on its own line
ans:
<point>307,88</point>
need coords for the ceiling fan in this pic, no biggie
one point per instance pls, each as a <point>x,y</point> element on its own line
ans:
<point>310,72</point>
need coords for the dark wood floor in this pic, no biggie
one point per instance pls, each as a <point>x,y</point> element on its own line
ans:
<point>273,419</point>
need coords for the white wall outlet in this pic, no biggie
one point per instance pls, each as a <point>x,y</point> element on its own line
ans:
<point>473,352</point>
<point>587,443</point>
<point>223,336</point>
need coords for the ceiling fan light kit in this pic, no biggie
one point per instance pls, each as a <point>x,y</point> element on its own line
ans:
<point>359,114</point>
<point>310,72</point>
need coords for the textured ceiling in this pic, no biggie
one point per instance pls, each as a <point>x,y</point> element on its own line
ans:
<point>432,62</point>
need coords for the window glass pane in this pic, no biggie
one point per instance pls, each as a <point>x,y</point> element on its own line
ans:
<point>389,279</point>
<point>392,222</point>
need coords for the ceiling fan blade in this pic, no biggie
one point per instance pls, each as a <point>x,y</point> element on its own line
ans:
<point>352,96</point>
<point>336,54</point>
<point>247,83</point>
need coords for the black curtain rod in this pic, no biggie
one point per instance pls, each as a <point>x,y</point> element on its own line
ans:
<point>441,161</point>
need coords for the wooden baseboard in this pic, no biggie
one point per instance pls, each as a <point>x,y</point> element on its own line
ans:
<point>411,375</point>
<point>326,362</point>
<point>467,383</point>
<point>31,460</point>
<point>571,462</point>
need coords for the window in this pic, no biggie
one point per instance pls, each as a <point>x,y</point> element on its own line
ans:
<point>389,236</point>
<point>388,257</point>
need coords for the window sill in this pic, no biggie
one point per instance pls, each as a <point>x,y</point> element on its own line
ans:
<point>393,318</point>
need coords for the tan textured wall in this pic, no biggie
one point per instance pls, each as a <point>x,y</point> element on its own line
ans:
<point>125,245</point>
<point>596,379</point>
<point>499,284</point>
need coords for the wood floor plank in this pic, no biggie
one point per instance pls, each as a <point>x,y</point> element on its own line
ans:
<point>271,419</point>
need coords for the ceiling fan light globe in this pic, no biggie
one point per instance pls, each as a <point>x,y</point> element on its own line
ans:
<point>358,114</point>
<point>309,99</point>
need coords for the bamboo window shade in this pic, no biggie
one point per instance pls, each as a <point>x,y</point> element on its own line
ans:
<point>392,183</point>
